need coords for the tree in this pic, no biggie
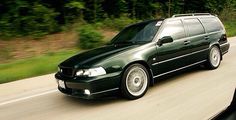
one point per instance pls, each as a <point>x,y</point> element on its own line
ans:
<point>39,17</point>
<point>194,6</point>
<point>75,9</point>
<point>27,18</point>
<point>229,10</point>
<point>114,8</point>
<point>94,11</point>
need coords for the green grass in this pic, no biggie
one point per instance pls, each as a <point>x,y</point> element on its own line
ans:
<point>230,27</point>
<point>33,66</point>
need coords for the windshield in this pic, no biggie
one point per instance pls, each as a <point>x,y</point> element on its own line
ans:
<point>138,33</point>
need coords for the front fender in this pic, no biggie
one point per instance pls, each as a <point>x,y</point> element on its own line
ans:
<point>142,54</point>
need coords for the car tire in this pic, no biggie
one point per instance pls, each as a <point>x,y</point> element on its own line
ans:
<point>214,58</point>
<point>135,81</point>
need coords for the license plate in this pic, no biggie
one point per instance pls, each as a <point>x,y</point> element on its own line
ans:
<point>61,84</point>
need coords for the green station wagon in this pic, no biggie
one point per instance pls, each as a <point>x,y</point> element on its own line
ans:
<point>143,52</point>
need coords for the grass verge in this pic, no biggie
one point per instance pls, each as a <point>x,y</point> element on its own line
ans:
<point>230,28</point>
<point>31,67</point>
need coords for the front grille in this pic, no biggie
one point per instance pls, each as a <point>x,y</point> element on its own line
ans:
<point>69,72</point>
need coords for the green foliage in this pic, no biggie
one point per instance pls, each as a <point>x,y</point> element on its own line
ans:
<point>24,19</point>
<point>177,6</point>
<point>75,5</point>
<point>115,8</point>
<point>74,10</point>
<point>117,23</point>
<point>230,28</point>
<point>41,22</point>
<point>41,17</point>
<point>94,10</point>
<point>229,11</point>
<point>144,9</point>
<point>89,37</point>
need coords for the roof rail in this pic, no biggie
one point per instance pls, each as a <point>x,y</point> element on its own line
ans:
<point>190,14</point>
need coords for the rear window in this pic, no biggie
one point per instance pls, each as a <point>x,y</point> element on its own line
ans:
<point>211,24</point>
<point>194,26</point>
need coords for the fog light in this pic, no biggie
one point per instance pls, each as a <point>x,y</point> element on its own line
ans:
<point>87,92</point>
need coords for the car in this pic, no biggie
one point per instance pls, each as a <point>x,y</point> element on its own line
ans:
<point>143,52</point>
<point>228,113</point>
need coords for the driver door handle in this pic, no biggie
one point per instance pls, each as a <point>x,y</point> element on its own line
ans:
<point>206,37</point>
<point>186,42</point>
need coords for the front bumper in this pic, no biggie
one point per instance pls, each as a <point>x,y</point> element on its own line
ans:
<point>98,86</point>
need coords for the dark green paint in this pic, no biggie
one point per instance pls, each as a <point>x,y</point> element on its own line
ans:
<point>159,58</point>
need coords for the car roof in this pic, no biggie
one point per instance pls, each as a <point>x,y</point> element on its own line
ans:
<point>192,15</point>
<point>177,16</point>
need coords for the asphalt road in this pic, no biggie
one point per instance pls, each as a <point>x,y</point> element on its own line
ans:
<point>194,95</point>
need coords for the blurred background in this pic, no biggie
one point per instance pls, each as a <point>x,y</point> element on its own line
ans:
<point>36,35</point>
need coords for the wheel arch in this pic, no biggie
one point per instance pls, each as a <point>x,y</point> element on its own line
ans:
<point>218,45</point>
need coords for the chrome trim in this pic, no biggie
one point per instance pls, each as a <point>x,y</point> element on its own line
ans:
<point>180,68</point>
<point>224,44</point>
<point>225,52</point>
<point>178,57</point>
<point>104,91</point>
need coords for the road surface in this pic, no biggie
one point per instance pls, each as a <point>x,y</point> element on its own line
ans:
<point>194,95</point>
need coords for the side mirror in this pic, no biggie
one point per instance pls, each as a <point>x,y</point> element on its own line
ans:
<point>165,39</point>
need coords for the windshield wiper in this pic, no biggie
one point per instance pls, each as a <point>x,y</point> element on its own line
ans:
<point>130,42</point>
<point>125,42</point>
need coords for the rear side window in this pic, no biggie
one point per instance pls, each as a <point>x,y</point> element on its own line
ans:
<point>173,28</point>
<point>194,26</point>
<point>211,24</point>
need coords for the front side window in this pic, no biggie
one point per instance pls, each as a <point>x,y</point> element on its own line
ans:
<point>138,33</point>
<point>194,26</point>
<point>173,28</point>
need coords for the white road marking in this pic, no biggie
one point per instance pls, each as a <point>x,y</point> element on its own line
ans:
<point>27,97</point>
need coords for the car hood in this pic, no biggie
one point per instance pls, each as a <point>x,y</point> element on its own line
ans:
<point>88,58</point>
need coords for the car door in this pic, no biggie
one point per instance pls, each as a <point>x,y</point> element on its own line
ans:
<point>198,40</point>
<point>171,56</point>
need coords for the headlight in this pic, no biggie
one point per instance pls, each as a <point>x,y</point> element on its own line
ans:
<point>91,72</point>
